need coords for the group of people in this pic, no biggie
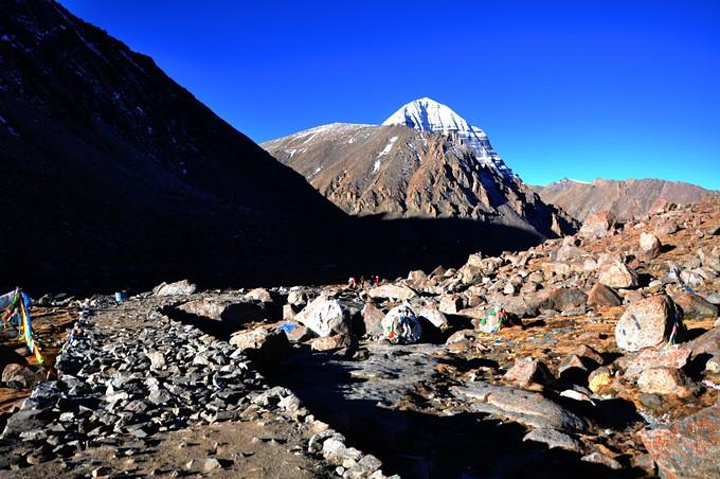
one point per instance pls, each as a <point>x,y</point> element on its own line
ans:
<point>363,283</point>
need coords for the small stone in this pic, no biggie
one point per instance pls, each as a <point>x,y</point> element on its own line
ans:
<point>666,226</point>
<point>529,372</point>
<point>602,295</point>
<point>554,439</point>
<point>157,360</point>
<point>600,458</point>
<point>331,343</point>
<point>598,379</point>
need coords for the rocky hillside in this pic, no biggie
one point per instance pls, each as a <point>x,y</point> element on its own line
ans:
<point>112,170</point>
<point>424,162</point>
<point>593,356</point>
<point>625,199</point>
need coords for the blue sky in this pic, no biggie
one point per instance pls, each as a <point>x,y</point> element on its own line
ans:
<point>583,89</point>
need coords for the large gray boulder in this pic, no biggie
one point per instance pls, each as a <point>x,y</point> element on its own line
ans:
<point>325,317</point>
<point>178,288</point>
<point>646,323</point>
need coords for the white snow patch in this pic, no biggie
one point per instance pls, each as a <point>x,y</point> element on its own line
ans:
<point>388,147</point>
<point>290,153</point>
<point>376,166</point>
<point>580,181</point>
<point>425,114</point>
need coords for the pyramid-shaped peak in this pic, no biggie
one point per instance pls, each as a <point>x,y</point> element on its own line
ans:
<point>426,114</point>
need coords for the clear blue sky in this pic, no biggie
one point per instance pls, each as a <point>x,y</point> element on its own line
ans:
<point>583,89</point>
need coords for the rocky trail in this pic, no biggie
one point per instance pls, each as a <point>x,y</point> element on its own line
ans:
<point>595,355</point>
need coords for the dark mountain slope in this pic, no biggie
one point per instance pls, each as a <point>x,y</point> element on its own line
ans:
<point>113,171</point>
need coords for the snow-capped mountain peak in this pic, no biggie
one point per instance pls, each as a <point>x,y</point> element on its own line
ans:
<point>426,114</point>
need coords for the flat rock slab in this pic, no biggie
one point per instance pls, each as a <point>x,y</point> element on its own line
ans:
<point>528,408</point>
<point>554,439</point>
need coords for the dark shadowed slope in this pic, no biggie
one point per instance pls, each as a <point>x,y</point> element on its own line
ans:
<point>112,170</point>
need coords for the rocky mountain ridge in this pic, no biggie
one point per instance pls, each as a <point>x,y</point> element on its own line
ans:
<point>425,114</point>
<point>417,172</point>
<point>624,198</point>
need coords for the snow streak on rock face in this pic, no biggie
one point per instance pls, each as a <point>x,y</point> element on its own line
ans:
<point>425,114</point>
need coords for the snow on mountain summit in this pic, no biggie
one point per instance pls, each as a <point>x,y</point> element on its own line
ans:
<point>426,114</point>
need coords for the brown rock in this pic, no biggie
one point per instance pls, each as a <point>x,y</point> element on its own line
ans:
<point>598,225</point>
<point>260,294</point>
<point>675,356</point>
<point>665,381</point>
<point>392,291</point>
<point>666,226</point>
<point>451,304</point>
<point>528,373</point>
<point>434,316</point>
<point>19,376</point>
<point>693,305</point>
<point>710,260</point>
<point>226,310</point>
<point>296,332</point>
<point>573,365</point>
<point>601,295</point>
<point>600,458</point>
<point>461,341</point>
<point>564,299</point>
<point>331,343</point>
<point>372,318</point>
<point>689,447</point>
<point>617,275</point>
<point>265,339</point>
<point>417,276</point>
<point>646,323</point>
<point>706,343</point>
<point>650,245</point>
<point>590,354</point>
<point>462,335</point>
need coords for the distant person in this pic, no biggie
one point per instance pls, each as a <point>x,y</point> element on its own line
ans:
<point>377,281</point>
<point>351,282</point>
